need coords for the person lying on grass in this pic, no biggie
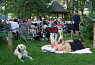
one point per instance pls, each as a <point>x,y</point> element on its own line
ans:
<point>69,45</point>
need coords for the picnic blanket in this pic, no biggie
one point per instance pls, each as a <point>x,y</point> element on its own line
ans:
<point>82,51</point>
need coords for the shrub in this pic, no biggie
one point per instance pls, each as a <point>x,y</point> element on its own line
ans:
<point>1,30</point>
<point>87,28</point>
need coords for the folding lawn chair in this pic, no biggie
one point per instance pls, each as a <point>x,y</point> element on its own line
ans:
<point>53,31</point>
<point>67,28</point>
<point>60,29</point>
<point>24,33</point>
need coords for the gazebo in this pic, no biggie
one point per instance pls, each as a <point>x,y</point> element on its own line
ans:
<point>59,10</point>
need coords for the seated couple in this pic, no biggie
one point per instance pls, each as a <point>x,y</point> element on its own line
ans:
<point>68,46</point>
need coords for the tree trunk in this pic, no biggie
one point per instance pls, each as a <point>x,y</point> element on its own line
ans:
<point>24,12</point>
<point>73,7</point>
<point>17,14</point>
<point>5,10</point>
<point>29,15</point>
<point>81,10</point>
<point>5,17</point>
<point>81,16</point>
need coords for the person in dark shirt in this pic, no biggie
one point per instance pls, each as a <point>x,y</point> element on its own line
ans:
<point>69,45</point>
<point>75,23</point>
<point>77,44</point>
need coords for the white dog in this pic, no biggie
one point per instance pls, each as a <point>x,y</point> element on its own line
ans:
<point>21,52</point>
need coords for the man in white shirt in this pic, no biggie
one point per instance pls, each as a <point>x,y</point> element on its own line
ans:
<point>14,26</point>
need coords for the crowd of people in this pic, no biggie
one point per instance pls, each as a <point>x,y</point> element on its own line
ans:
<point>38,28</point>
<point>41,24</point>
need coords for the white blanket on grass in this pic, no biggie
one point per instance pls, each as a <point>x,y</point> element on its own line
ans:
<point>82,51</point>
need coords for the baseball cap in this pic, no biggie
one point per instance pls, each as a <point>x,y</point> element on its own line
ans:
<point>76,11</point>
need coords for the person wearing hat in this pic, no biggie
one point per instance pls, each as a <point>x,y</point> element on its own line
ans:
<point>75,24</point>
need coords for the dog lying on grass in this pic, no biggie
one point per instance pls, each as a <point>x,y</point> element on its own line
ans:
<point>21,52</point>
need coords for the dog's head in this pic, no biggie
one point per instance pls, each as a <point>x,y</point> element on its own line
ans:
<point>21,47</point>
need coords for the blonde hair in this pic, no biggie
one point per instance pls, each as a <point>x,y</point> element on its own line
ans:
<point>29,20</point>
<point>60,41</point>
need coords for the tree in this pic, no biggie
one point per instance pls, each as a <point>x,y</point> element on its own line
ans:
<point>41,8</point>
<point>93,5</point>
<point>25,8</point>
<point>79,5</point>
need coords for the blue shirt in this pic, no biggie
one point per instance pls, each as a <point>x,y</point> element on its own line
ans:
<point>76,18</point>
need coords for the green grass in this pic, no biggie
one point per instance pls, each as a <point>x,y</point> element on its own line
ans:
<point>42,58</point>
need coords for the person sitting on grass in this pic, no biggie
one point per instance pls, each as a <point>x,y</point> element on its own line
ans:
<point>69,45</point>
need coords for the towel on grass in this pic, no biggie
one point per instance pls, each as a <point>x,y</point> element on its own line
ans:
<point>82,51</point>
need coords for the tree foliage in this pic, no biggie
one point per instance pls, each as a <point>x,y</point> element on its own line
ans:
<point>79,5</point>
<point>28,8</point>
<point>25,8</point>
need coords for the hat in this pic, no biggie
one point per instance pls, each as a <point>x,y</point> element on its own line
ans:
<point>76,11</point>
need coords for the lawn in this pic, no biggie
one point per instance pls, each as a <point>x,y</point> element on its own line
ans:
<point>41,58</point>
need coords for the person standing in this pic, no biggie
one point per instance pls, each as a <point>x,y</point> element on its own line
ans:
<point>75,24</point>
